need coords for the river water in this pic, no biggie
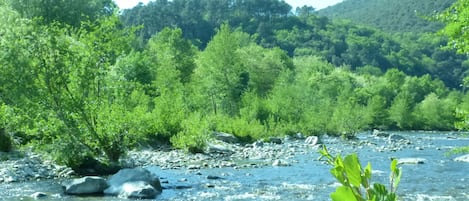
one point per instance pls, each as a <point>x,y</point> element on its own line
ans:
<point>439,178</point>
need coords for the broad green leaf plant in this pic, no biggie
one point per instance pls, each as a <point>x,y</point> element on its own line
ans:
<point>355,179</point>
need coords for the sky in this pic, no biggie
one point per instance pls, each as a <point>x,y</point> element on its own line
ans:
<point>317,4</point>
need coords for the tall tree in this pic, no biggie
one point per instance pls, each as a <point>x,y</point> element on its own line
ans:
<point>220,71</point>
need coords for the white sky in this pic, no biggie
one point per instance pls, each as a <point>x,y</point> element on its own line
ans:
<point>317,4</point>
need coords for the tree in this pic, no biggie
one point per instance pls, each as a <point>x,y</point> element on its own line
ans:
<point>220,74</point>
<point>68,12</point>
<point>455,19</point>
<point>62,83</point>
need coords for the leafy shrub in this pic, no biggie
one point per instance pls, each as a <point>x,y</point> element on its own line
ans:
<point>245,129</point>
<point>355,180</point>
<point>194,135</point>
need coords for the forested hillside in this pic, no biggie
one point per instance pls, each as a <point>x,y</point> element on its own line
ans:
<point>272,24</point>
<point>176,71</point>
<point>390,15</point>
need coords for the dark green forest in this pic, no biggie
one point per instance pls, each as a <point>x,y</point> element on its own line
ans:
<point>88,80</point>
<point>390,16</point>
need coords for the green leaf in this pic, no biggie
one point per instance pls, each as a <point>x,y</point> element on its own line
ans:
<point>366,176</point>
<point>343,193</point>
<point>353,169</point>
<point>395,175</point>
<point>393,165</point>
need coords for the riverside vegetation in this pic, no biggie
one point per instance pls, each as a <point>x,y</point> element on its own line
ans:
<point>83,80</point>
<point>354,179</point>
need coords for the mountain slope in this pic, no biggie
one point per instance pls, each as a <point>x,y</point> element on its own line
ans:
<point>389,15</point>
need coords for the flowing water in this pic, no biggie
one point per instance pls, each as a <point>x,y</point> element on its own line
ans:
<point>439,178</point>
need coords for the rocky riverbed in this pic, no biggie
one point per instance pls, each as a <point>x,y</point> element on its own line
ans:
<point>282,168</point>
<point>27,166</point>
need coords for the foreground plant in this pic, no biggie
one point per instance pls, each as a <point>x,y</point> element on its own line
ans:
<point>355,180</point>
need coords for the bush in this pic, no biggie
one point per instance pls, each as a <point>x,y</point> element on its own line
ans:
<point>194,135</point>
<point>244,129</point>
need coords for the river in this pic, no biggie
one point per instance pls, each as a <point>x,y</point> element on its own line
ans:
<point>439,178</point>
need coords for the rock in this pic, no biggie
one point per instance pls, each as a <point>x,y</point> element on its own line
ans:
<point>275,140</point>
<point>193,167</point>
<point>299,136</point>
<point>10,178</point>
<point>116,182</point>
<point>312,140</point>
<point>379,133</point>
<point>280,162</point>
<point>396,138</point>
<point>463,158</point>
<point>411,161</point>
<point>213,177</point>
<point>138,190</point>
<point>85,186</point>
<point>225,137</point>
<point>258,144</point>
<point>219,148</point>
<point>38,195</point>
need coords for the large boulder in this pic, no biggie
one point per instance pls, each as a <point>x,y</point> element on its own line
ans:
<point>463,158</point>
<point>134,183</point>
<point>138,190</point>
<point>85,186</point>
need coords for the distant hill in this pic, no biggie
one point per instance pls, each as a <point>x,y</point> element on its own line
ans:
<point>389,15</point>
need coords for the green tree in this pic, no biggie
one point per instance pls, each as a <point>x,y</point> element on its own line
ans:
<point>434,113</point>
<point>455,19</point>
<point>220,75</point>
<point>69,12</point>
<point>61,82</point>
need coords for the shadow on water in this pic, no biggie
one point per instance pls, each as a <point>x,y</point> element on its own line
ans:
<point>439,178</point>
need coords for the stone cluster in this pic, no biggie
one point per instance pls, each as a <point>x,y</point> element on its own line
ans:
<point>16,167</point>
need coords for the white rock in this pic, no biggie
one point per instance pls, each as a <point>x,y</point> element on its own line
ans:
<point>116,182</point>
<point>312,140</point>
<point>138,190</point>
<point>280,162</point>
<point>463,158</point>
<point>411,161</point>
<point>38,195</point>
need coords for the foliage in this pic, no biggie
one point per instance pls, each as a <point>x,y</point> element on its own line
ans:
<point>455,19</point>
<point>64,83</point>
<point>68,12</point>
<point>355,179</point>
<point>341,43</point>
<point>5,141</point>
<point>84,89</point>
<point>194,134</point>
